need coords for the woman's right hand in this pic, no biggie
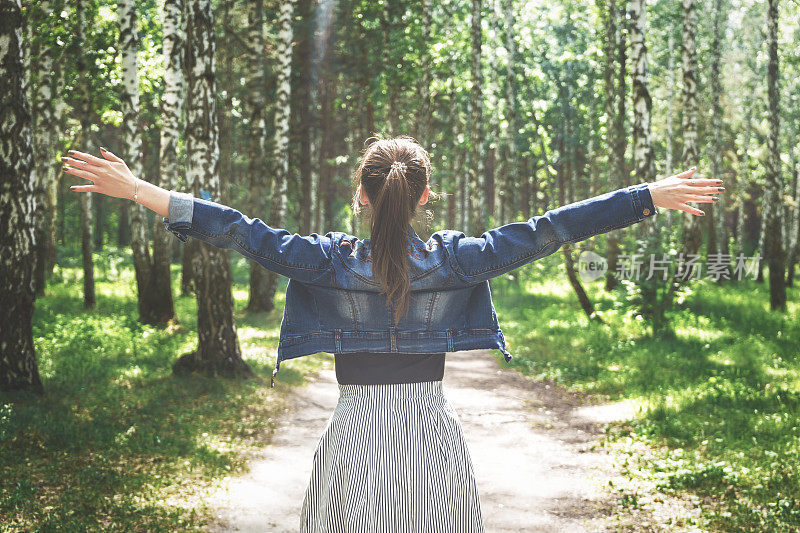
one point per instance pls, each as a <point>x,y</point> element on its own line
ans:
<point>112,177</point>
<point>109,176</point>
<point>673,192</point>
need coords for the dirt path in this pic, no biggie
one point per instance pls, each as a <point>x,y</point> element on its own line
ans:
<point>532,445</point>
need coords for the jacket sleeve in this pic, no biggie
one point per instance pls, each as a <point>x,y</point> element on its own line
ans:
<point>500,250</point>
<point>305,258</point>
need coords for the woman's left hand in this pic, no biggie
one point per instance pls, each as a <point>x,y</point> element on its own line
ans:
<point>675,191</point>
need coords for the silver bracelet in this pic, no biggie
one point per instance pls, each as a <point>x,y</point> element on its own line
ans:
<point>136,189</point>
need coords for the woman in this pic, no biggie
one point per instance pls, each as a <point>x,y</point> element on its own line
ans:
<point>393,456</point>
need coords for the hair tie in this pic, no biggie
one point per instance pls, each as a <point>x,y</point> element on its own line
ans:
<point>399,165</point>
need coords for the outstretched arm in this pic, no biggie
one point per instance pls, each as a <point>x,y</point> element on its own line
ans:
<point>499,250</point>
<point>305,258</point>
<point>111,176</point>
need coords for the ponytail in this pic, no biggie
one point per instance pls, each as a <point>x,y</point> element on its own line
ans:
<point>393,173</point>
<point>393,209</point>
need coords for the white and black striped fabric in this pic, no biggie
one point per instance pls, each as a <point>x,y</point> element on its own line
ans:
<point>392,458</point>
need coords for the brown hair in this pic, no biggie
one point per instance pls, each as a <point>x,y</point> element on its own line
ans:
<point>394,191</point>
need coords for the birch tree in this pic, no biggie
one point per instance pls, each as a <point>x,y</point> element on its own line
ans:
<point>18,367</point>
<point>154,295</point>
<point>280,157</point>
<point>174,30</point>
<point>44,169</point>
<point>218,351</point>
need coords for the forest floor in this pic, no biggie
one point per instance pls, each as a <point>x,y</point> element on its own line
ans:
<point>538,451</point>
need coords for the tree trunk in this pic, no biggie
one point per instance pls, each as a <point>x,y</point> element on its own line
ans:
<point>692,229</point>
<point>608,11</point>
<point>218,351</point>
<point>258,174</point>
<point>282,111</point>
<point>171,106</point>
<point>42,111</point>
<point>794,220</point>
<point>620,138</point>
<point>85,199</point>
<point>18,367</point>
<point>475,189</point>
<point>424,127</point>
<point>511,170</point>
<point>303,112</point>
<point>774,252</point>
<point>716,212</point>
<point>132,142</point>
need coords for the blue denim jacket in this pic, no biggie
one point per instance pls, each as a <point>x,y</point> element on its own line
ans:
<point>334,304</point>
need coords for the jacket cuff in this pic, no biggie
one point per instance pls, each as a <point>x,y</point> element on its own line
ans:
<point>181,210</point>
<point>642,201</point>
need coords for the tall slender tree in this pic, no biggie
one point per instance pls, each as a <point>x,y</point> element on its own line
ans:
<point>774,252</point>
<point>18,367</point>
<point>280,157</point>
<point>609,15</point>
<point>218,351</point>
<point>643,156</point>
<point>154,293</point>
<point>511,171</point>
<point>474,214</point>
<point>424,127</point>
<point>718,240</point>
<point>42,111</point>
<point>174,29</point>
<point>257,175</point>
<point>692,230</point>
<point>86,125</point>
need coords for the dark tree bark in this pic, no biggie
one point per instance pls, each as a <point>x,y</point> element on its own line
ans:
<point>85,199</point>
<point>258,175</point>
<point>774,252</point>
<point>218,351</point>
<point>18,367</point>
<point>303,110</point>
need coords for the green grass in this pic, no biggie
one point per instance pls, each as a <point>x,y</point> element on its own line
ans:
<point>721,399</point>
<point>117,442</point>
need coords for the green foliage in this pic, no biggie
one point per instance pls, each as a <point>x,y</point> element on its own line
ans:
<point>722,395</point>
<point>117,442</point>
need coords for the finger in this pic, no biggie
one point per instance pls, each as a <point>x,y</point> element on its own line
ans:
<point>687,173</point>
<point>89,158</point>
<point>80,173</point>
<point>83,188</point>
<point>705,190</point>
<point>695,198</point>
<point>690,209</point>
<point>701,182</point>
<point>78,163</point>
<point>108,155</point>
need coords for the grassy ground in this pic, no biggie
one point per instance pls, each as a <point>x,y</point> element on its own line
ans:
<point>117,442</point>
<point>721,400</point>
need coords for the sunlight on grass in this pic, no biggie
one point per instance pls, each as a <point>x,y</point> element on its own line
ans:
<point>116,439</point>
<point>721,397</point>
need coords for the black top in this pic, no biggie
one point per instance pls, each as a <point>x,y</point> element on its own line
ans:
<point>366,368</point>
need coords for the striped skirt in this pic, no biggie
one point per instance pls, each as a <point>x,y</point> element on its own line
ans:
<point>392,458</point>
